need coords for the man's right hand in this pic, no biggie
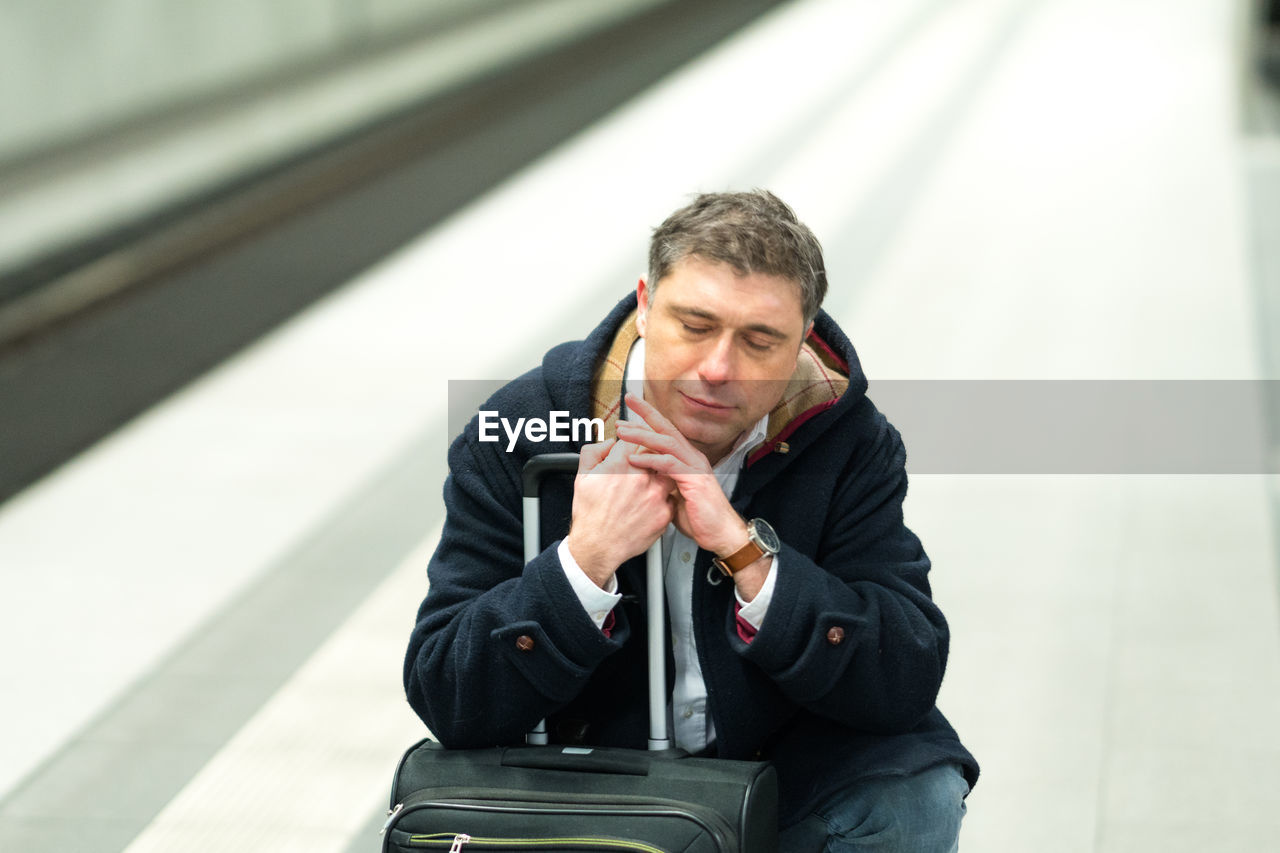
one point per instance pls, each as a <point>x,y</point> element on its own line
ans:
<point>618,510</point>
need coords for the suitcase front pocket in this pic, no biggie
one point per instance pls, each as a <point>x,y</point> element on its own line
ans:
<point>571,824</point>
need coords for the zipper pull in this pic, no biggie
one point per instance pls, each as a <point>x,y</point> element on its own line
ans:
<point>459,840</point>
<point>391,818</point>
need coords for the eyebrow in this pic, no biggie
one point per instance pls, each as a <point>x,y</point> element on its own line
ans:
<point>702,314</point>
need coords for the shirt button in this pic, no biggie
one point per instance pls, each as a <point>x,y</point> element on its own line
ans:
<point>688,711</point>
<point>524,643</point>
<point>835,635</point>
<point>685,556</point>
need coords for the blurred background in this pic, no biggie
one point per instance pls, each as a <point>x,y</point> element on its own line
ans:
<point>245,248</point>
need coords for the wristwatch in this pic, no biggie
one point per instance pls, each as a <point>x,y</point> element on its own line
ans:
<point>761,540</point>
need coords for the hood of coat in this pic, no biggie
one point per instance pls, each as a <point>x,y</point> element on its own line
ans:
<point>587,376</point>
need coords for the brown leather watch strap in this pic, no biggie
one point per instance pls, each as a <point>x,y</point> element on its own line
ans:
<point>739,559</point>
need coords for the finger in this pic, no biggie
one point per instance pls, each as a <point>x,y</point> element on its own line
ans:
<point>654,421</point>
<point>593,454</point>
<point>650,440</point>
<point>625,450</point>
<point>660,463</point>
<point>677,446</point>
<point>650,415</point>
<point>615,461</point>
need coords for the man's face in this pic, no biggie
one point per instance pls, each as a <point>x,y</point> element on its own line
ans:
<point>719,349</point>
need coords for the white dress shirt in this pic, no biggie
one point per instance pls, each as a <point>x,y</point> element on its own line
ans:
<point>690,724</point>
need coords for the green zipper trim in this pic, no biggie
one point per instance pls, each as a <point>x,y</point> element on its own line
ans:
<point>446,839</point>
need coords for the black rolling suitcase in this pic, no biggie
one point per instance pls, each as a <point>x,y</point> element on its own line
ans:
<point>554,798</point>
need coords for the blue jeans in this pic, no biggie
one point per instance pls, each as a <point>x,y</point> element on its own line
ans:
<point>912,814</point>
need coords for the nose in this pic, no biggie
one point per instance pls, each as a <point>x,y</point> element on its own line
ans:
<point>716,366</point>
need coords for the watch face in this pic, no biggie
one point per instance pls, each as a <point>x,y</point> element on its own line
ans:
<point>764,533</point>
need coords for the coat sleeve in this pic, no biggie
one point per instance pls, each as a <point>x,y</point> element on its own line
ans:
<point>498,644</point>
<point>852,632</point>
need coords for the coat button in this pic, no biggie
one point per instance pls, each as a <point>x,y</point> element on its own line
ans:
<point>524,643</point>
<point>835,635</point>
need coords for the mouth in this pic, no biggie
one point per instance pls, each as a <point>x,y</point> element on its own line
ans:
<point>709,406</point>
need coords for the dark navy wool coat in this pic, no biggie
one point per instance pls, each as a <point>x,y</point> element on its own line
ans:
<point>840,682</point>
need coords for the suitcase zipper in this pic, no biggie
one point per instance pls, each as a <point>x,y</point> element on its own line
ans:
<point>456,841</point>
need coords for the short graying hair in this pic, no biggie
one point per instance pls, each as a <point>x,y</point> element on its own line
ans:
<point>753,232</point>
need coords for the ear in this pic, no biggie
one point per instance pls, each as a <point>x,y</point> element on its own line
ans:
<point>807,331</point>
<point>642,306</point>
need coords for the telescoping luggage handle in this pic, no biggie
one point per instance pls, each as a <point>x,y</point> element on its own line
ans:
<point>534,470</point>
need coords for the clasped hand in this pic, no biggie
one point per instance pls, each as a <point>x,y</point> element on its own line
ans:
<point>627,491</point>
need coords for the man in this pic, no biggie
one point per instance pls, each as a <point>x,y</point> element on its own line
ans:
<point>738,431</point>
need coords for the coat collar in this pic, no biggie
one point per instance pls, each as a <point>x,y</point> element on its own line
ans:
<point>820,379</point>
